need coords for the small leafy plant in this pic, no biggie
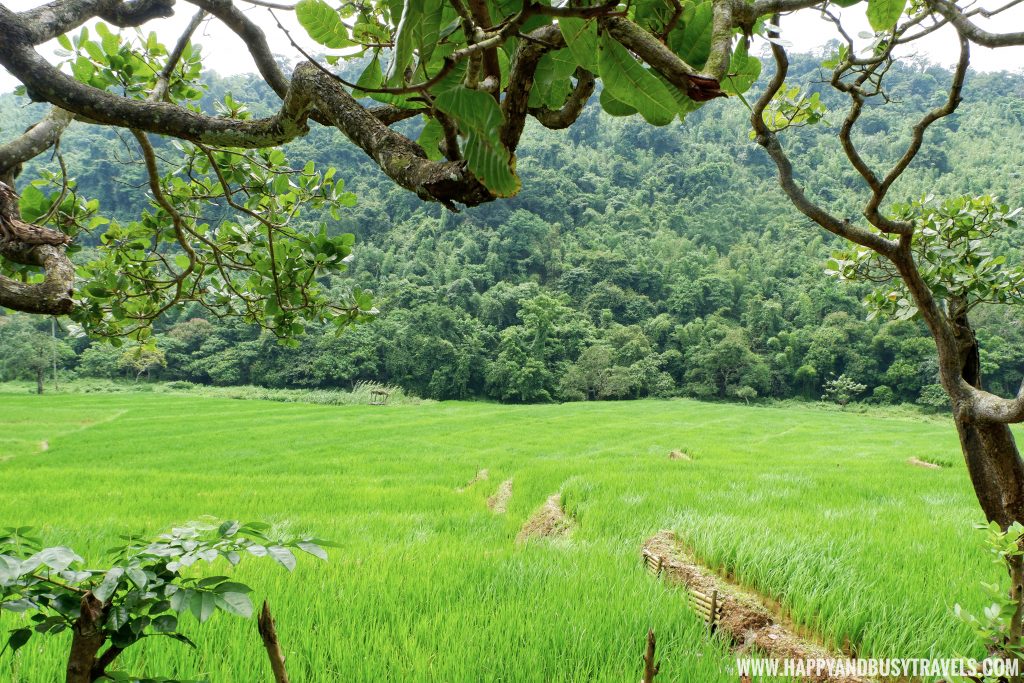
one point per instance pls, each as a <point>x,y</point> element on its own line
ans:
<point>999,624</point>
<point>143,594</point>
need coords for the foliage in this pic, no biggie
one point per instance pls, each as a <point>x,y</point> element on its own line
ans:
<point>647,229</point>
<point>842,389</point>
<point>954,246</point>
<point>995,623</point>
<point>147,586</point>
<point>27,351</point>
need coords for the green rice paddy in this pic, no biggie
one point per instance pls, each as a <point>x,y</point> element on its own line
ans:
<point>816,509</point>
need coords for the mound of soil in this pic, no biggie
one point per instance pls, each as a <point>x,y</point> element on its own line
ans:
<point>549,521</point>
<point>480,476</point>
<point>679,455</point>
<point>498,503</point>
<point>746,619</point>
<point>921,463</point>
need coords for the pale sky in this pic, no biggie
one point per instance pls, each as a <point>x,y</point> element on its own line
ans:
<point>804,31</point>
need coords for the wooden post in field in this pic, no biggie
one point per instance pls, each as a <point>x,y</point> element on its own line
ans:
<point>650,668</point>
<point>714,608</point>
<point>268,633</point>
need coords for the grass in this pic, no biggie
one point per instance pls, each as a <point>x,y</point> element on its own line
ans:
<point>818,510</point>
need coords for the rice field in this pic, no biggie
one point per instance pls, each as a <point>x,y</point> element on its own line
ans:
<point>818,510</point>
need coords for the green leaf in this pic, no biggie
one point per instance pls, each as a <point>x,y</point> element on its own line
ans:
<point>165,623</point>
<point>693,42</point>
<point>322,23</point>
<point>430,28</point>
<point>480,119</point>
<point>883,14</point>
<point>109,585</point>
<point>581,37</point>
<point>551,84</point>
<point>95,51</point>
<point>615,107</point>
<point>373,78</point>
<point>180,599</point>
<point>18,638</point>
<point>58,558</point>
<point>312,549</point>
<point>238,604</point>
<point>203,605</point>
<point>137,576</point>
<point>631,83</point>
<point>744,71</point>
<point>283,556</point>
<point>430,136</point>
<point>405,38</point>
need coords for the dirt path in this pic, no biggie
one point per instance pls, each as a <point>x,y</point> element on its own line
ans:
<point>498,503</point>
<point>746,620</point>
<point>480,476</point>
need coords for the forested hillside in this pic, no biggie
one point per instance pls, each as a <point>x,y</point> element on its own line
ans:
<point>637,261</point>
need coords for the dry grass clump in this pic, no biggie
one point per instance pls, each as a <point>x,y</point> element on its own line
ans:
<point>917,462</point>
<point>498,503</point>
<point>549,521</point>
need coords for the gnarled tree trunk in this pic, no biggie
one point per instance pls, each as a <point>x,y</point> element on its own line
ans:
<point>990,451</point>
<point>86,640</point>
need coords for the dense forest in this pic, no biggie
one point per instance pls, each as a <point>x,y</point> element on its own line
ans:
<point>637,261</point>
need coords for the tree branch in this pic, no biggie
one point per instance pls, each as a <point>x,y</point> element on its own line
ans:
<point>697,87</point>
<point>522,69</point>
<point>33,142</point>
<point>33,245</point>
<point>767,138</point>
<point>57,17</point>
<point>972,31</point>
<point>573,107</point>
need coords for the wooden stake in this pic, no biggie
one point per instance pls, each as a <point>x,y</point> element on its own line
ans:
<point>650,668</point>
<point>268,633</point>
<point>714,608</point>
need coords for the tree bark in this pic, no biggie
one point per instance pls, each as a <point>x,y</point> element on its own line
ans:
<point>990,451</point>
<point>39,380</point>
<point>996,471</point>
<point>86,640</point>
<point>268,632</point>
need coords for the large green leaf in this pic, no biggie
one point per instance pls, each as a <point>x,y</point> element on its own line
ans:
<point>372,78</point>
<point>653,15</point>
<point>429,32</point>
<point>406,34</point>
<point>238,604</point>
<point>628,81</point>
<point>743,71</point>
<point>551,84</point>
<point>614,107</point>
<point>684,105</point>
<point>322,23</point>
<point>480,119</point>
<point>581,37</point>
<point>691,40</point>
<point>883,14</point>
